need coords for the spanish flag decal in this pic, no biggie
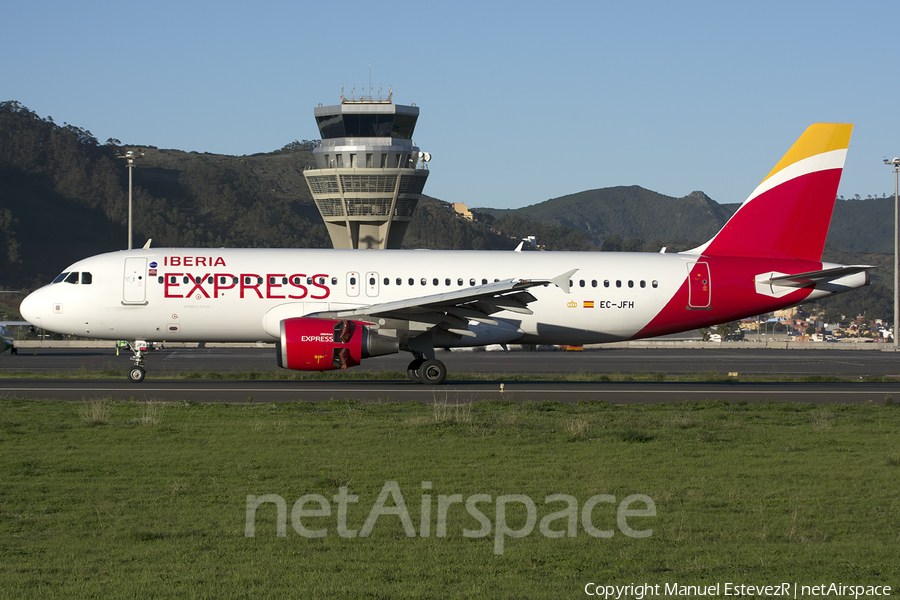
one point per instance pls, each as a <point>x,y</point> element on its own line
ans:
<point>589,304</point>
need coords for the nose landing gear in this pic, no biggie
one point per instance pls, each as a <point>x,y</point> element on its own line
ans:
<point>137,373</point>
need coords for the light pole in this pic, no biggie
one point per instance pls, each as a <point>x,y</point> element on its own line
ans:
<point>896,163</point>
<point>130,157</point>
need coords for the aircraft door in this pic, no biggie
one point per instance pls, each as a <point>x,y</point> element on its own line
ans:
<point>353,284</point>
<point>135,281</point>
<point>699,286</point>
<point>371,284</point>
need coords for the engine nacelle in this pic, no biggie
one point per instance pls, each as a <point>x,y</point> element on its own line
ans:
<point>309,344</point>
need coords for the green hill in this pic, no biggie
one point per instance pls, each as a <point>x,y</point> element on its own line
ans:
<point>630,212</point>
<point>860,226</point>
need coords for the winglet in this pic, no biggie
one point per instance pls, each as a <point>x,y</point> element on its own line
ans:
<point>562,281</point>
<point>147,245</point>
<point>519,247</point>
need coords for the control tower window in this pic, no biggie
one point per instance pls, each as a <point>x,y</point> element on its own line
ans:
<point>367,125</point>
<point>340,161</point>
<point>383,161</point>
<point>331,126</point>
<point>353,164</point>
<point>369,160</point>
<point>403,127</point>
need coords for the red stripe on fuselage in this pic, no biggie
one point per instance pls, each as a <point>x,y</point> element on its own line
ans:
<point>733,294</point>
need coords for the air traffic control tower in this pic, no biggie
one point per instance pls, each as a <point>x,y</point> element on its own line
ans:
<point>367,183</point>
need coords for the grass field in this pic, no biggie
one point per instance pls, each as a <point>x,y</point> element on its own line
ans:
<point>126,500</point>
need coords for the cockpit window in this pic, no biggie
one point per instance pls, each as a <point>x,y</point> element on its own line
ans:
<point>72,278</point>
<point>60,277</point>
<point>86,278</point>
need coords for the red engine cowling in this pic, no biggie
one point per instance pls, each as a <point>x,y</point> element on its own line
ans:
<point>309,344</point>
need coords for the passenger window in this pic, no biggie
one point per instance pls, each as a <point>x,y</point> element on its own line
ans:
<point>86,278</point>
<point>353,281</point>
<point>387,281</point>
<point>606,283</point>
<point>630,283</point>
<point>334,281</point>
<point>186,279</point>
<point>284,281</point>
<point>618,283</point>
<point>424,282</point>
<point>593,283</point>
<point>447,281</point>
<point>412,281</point>
<point>371,281</point>
<point>435,281</point>
<point>459,281</point>
<point>472,281</point>
<point>484,282</point>
<point>581,283</point>
<point>654,283</point>
<point>643,283</point>
<point>161,279</point>
<point>399,281</point>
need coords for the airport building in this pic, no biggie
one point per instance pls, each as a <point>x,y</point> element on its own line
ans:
<point>369,176</point>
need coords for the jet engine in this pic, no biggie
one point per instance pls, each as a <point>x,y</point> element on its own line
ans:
<point>310,344</point>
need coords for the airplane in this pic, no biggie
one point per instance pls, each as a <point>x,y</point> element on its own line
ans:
<point>7,340</point>
<point>332,309</point>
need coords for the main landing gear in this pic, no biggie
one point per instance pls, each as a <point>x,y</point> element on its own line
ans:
<point>137,373</point>
<point>429,371</point>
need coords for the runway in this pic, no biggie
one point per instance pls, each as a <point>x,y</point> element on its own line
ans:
<point>493,365</point>
<point>670,361</point>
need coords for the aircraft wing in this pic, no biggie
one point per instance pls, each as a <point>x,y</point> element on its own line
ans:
<point>813,277</point>
<point>453,310</point>
<point>15,323</point>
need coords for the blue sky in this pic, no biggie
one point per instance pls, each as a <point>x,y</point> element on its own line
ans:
<point>520,102</point>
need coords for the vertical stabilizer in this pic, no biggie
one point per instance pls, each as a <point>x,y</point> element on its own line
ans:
<point>788,214</point>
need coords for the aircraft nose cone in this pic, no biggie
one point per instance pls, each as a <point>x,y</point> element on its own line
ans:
<point>30,308</point>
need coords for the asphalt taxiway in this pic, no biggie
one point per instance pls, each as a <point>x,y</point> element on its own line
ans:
<point>492,366</point>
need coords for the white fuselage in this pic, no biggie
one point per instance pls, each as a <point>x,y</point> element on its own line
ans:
<point>612,296</point>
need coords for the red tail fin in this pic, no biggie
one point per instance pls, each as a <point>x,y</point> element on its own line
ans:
<point>788,214</point>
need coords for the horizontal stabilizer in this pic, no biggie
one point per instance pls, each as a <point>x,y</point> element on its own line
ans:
<point>813,277</point>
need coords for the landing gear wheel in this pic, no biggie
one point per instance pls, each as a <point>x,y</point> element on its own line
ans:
<point>137,374</point>
<point>432,372</point>
<point>412,368</point>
